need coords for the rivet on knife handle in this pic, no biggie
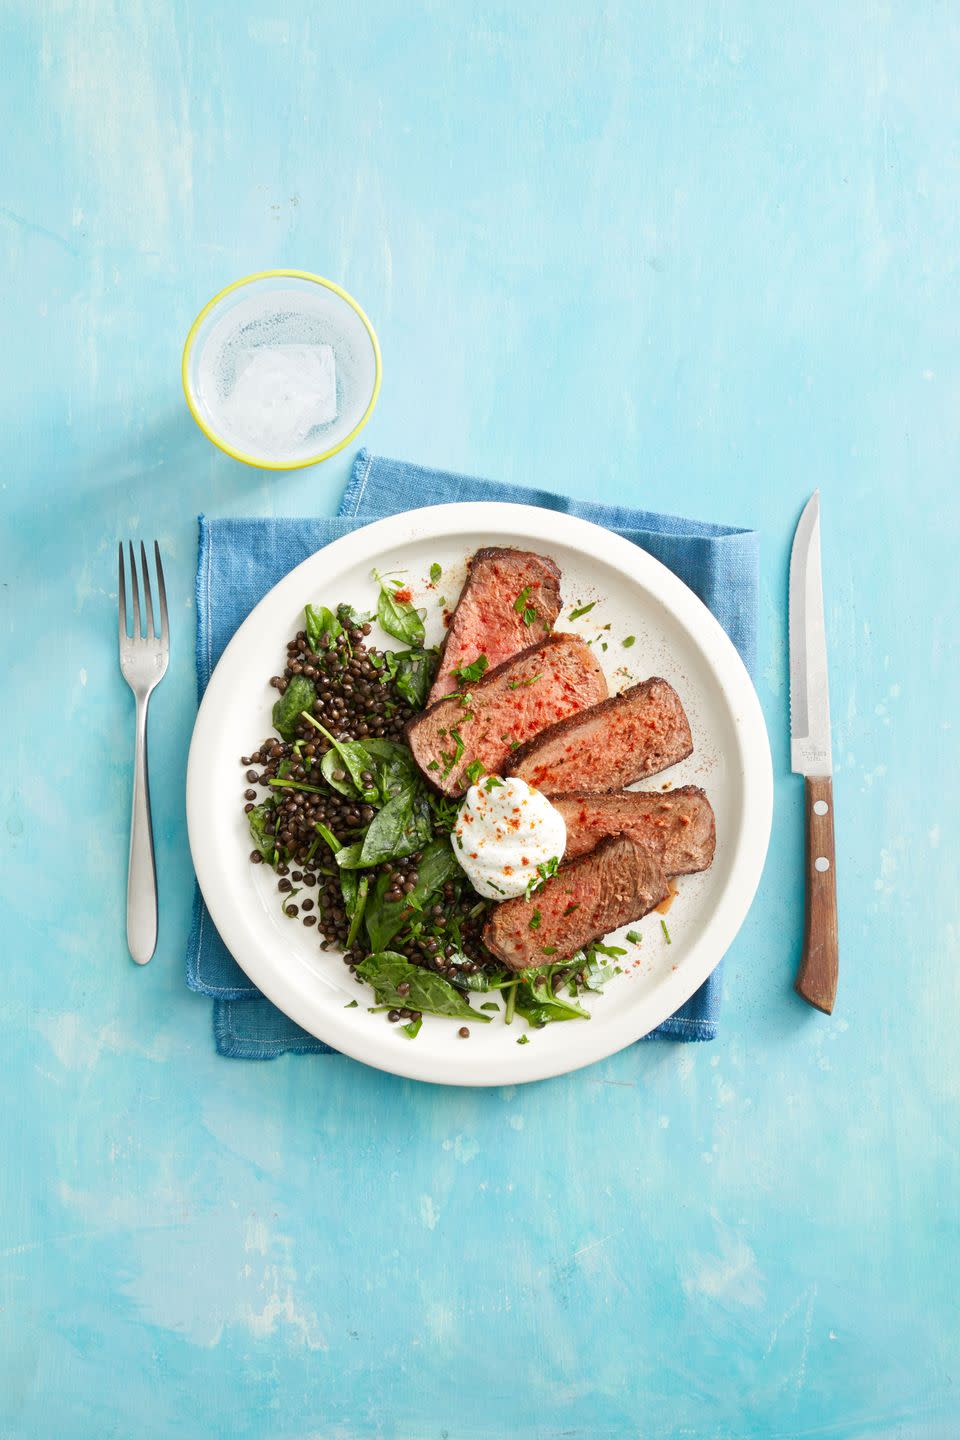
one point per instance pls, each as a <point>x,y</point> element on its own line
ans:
<point>817,977</point>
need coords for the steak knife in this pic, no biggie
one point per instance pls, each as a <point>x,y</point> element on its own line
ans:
<point>811,756</point>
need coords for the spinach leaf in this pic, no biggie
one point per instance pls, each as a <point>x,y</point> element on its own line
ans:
<point>539,1003</point>
<point>484,981</point>
<point>262,839</point>
<point>412,672</point>
<point>402,826</point>
<point>350,618</point>
<point>318,620</point>
<point>349,889</point>
<point>539,1006</point>
<point>397,617</point>
<point>329,766</point>
<point>298,696</point>
<point>435,572</point>
<point>429,993</point>
<point>394,767</point>
<point>384,919</point>
<point>354,757</point>
<point>348,858</point>
<point>285,784</point>
<point>328,837</point>
<point>359,903</point>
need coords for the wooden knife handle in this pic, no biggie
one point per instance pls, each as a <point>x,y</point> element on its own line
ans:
<point>817,977</point>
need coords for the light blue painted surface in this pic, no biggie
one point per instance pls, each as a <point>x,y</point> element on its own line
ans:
<point>687,255</point>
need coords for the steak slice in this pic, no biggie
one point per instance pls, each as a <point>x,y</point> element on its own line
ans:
<point>678,827</point>
<point>486,620</point>
<point>617,882</point>
<point>636,733</point>
<point>544,684</point>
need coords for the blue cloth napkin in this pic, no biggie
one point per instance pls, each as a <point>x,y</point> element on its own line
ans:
<point>240,560</point>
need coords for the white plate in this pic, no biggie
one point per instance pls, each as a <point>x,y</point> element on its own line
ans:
<point>676,637</point>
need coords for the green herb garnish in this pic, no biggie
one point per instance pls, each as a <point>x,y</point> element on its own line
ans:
<point>628,641</point>
<point>535,919</point>
<point>634,937</point>
<point>582,610</point>
<point>666,932</point>
<point>469,674</point>
<point>474,771</point>
<point>524,1040</point>
<point>451,759</point>
<point>545,871</point>
<point>516,684</point>
<point>435,572</point>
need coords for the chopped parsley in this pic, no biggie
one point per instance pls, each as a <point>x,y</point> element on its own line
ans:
<point>491,783</point>
<point>612,951</point>
<point>628,641</point>
<point>549,950</point>
<point>435,572</point>
<point>516,684</point>
<point>350,1005</point>
<point>451,759</point>
<point>470,673</point>
<point>545,870</point>
<point>574,905</point>
<point>490,1005</point>
<point>524,1040</point>
<point>666,932</point>
<point>523,607</point>
<point>535,919</point>
<point>634,937</point>
<point>474,771</point>
<point>582,610</point>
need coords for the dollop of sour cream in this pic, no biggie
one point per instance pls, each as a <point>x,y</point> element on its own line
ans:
<point>504,830</point>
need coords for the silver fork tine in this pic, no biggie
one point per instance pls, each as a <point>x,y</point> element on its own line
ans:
<point>122,599</point>
<point>165,636</point>
<point>147,596</point>
<point>136,594</point>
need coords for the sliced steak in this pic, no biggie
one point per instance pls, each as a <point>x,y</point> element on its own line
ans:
<point>636,733</point>
<point>612,885</point>
<point>677,827</point>
<point>487,620</point>
<point>544,684</point>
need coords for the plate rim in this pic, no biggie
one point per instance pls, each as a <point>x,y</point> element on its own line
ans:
<point>542,527</point>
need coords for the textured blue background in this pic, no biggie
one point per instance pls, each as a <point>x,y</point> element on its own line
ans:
<point>693,256</point>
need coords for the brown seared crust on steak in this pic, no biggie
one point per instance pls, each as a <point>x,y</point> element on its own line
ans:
<point>486,622</point>
<point>634,734</point>
<point>612,885</point>
<point>543,684</point>
<point>678,827</point>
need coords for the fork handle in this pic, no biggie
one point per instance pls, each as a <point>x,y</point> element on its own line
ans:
<point>142,872</point>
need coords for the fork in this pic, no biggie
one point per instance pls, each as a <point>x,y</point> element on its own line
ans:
<point>143,664</point>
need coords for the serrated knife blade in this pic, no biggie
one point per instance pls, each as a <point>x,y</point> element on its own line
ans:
<point>811,756</point>
<point>810,748</point>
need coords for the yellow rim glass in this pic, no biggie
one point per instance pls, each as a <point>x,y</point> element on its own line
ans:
<point>211,434</point>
